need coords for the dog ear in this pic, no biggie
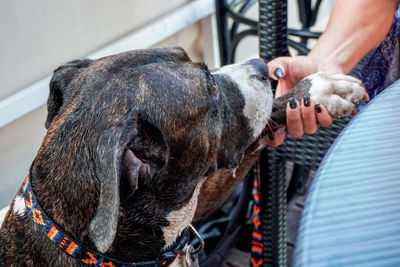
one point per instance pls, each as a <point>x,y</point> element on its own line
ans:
<point>59,83</point>
<point>120,162</point>
<point>177,53</point>
<point>145,155</point>
<point>149,145</point>
<point>108,156</point>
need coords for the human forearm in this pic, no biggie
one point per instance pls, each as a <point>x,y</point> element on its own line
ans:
<point>354,28</point>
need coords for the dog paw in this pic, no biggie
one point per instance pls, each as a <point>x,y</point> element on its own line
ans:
<point>339,93</point>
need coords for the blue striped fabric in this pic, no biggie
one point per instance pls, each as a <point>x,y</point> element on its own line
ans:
<point>352,214</point>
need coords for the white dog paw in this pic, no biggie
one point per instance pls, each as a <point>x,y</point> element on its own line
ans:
<point>339,93</point>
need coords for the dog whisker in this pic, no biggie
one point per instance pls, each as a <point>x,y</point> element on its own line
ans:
<point>272,121</point>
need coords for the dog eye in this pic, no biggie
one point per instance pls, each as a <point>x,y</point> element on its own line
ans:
<point>215,88</point>
<point>215,92</point>
<point>259,77</point>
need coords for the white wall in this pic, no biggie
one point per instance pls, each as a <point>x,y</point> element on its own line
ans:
<point>38,36</point>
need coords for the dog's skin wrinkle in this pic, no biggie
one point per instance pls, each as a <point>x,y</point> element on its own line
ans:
<point>103,107</point>
<point>230,151</point>
<point>179,219</point>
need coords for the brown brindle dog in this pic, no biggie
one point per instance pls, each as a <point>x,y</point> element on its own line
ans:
<point>142,143</point>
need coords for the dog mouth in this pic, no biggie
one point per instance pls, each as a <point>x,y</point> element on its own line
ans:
<point>213,168</point>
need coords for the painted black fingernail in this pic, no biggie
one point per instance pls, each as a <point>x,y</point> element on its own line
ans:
<point>292,103</point>
<point>307,101</point>
<point>318,108</point>
<point>278,73</point>
<point>271,136</point>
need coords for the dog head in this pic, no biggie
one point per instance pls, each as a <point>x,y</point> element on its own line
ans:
<point>136,132</point>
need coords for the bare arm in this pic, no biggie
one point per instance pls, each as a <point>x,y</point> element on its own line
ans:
<point>355,27</point>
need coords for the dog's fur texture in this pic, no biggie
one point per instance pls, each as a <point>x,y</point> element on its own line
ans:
<point>142,143</point>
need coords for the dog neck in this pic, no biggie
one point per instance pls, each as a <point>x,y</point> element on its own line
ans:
<point>83,254</point>
<point>134,241</point>
<point>71,206</point>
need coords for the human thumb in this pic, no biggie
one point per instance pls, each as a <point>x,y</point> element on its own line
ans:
<point>277,67</point>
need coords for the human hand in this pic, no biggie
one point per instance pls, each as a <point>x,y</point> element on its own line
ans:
<point>302,117</point>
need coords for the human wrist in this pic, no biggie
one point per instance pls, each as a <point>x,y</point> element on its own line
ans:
<point>328,61</point>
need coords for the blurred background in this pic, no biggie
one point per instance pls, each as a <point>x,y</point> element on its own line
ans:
<point>38,36</point>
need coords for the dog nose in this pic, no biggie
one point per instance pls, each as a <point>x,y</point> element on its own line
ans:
<point>260,66</point>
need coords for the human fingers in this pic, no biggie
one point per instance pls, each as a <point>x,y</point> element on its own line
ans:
<point>307,108</point>
<point>275,139</point>
<point>294,120</point>
<point>278,67</point>
<point>323,117</point>
<point>289,71</point>
<point>277,71</point>
<point>284,86</point>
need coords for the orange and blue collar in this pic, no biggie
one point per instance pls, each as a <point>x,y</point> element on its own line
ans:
<point>85,255</point>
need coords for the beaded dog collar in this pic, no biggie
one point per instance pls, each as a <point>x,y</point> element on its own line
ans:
<point>85,255</point>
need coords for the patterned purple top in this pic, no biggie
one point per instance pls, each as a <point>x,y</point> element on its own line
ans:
<point>382,67</point>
